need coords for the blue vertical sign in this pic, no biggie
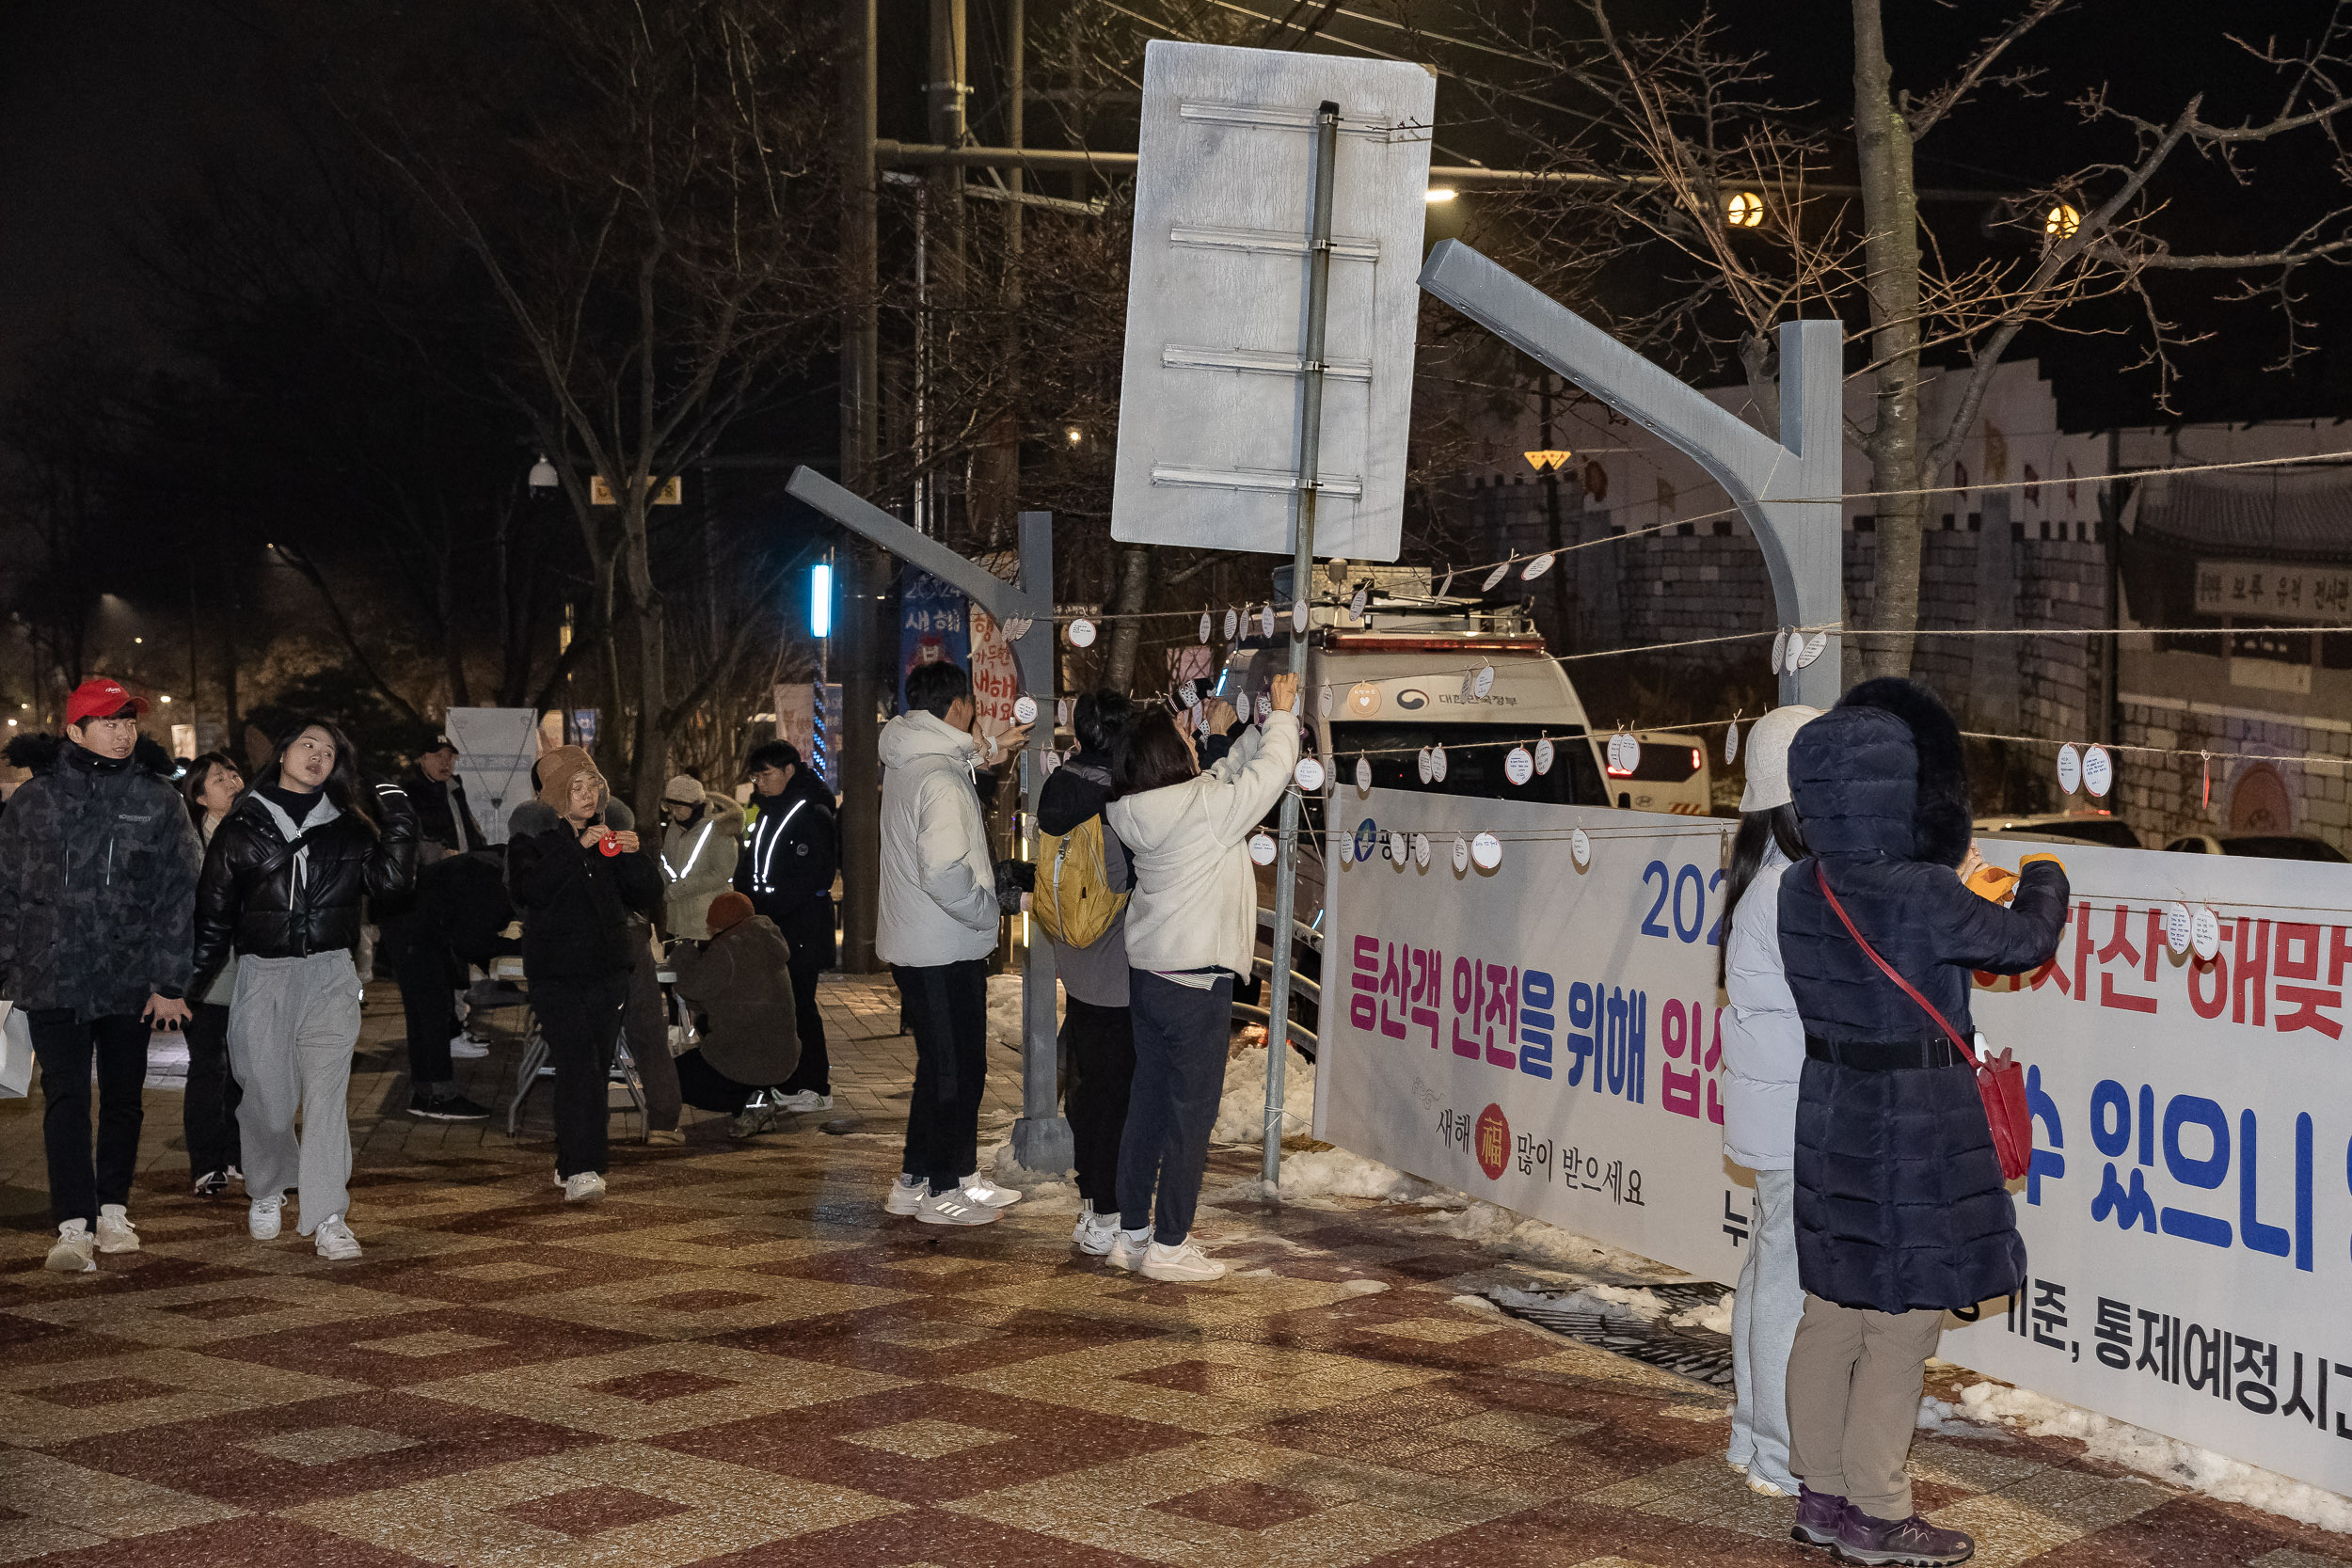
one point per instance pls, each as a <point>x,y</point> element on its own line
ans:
<point>933,626</point>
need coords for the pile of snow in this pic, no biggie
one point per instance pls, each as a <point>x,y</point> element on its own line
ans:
<point>1499,1229</point>
<point>2166,1459</point>
<point>1607,1301</point>
<point>1715,1318</point>
<point>1241,1114</point>
<point>1004,1009</point>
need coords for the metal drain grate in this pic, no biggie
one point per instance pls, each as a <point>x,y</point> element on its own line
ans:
<point>1698,1353</point>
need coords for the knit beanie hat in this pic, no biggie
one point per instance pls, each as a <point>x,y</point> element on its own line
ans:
<point>685,790</point>
<point>729,910</point>
<point>558,768</point>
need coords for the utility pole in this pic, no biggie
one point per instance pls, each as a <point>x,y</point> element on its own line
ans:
<point>861,575</point>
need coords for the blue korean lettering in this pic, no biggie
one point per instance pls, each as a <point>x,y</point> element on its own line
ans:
<point>2046,1162</point>
<point>1628,1036</point>
<point>1535,1023</point>
<point>1583,1036</point>
<point>2111,1135</point>
<point>2194,1110</point>
<point>2273,1239</point>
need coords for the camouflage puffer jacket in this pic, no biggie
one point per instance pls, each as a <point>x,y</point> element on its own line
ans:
<point>98,866</point>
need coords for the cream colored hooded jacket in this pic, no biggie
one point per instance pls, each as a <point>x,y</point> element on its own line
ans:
<point>1196,897</point>
<point>938,897</point>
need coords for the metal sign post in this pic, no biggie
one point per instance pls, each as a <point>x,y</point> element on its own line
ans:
<point>1278,1031</point>
<point>1040,1138</point>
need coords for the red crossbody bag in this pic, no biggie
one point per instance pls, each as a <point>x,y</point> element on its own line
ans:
<point>2000,1082</point>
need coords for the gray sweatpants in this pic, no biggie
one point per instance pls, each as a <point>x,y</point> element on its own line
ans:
<point>1763,1327</point>
<point>292,1026</point>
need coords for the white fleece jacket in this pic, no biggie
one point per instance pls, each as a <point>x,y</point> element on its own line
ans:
<point>1196,898</point>
<point>937,903</point>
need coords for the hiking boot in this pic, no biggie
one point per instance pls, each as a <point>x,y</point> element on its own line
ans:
<point>583,1187</point>
<point>1184,1263</point>
<point>115,1233</point>
<point>335,1241</point>
<point>906,1194</point>
<point>954,1207</point>
<point>1911,1543</point>
<point>1818,1516</point>
<point>75,1251</point>
<point>450,1106</point>
<point>263,1216</point>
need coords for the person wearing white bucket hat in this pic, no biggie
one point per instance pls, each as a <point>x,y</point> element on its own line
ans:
<point>1763,1058</point>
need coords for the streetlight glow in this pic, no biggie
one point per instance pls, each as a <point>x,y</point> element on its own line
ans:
<point>1436,194</point>
<point>820,599</point>
<point>1745,210</point>
<point>543,476</point>
<point>2060,222</point>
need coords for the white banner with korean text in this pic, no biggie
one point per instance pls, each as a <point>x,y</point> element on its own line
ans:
<point>1544,1037</point>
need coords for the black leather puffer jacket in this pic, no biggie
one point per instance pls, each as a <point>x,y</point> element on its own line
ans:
<point>272,898</point>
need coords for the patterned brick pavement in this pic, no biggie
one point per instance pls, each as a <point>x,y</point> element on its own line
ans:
<point>739,1358</point>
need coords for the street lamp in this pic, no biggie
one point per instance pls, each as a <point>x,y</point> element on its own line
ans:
<point>1437,193</point>
<point>2060,222</point>
<point>1745,210</point>
<point>543,474</point>
<point>821,600</point>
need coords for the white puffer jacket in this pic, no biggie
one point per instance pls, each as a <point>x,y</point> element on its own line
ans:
<point>1764,1037</point>
<point>1196,898</point>
<point>937,903</point>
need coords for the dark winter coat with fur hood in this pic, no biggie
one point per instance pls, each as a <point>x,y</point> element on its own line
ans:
<point>1900,1197</point>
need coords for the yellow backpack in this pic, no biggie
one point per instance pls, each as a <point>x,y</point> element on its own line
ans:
<point>1074,900</point>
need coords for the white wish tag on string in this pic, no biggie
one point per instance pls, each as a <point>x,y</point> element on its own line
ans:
<point>1363,699</point>
<point>1355,606</point>
<point>1310,775</point>
<point>1467,677</point>
<point>1347,847</point>
<point>1262,848</point>
<point>1437,763</point>
<point>1497,576</point>
<point>1265,618</point>
<point>1190,693</point>
<point>1204,626</point>
<point>1299,616</point>
<point>1233,624</point>
<point>1397,847</point>
<point>2070,769</point>
<point>1796,653</point>
<point>1446,585</point>
<point>1017,628</point>
<point>1813,646</point>
<point>1536,568</point>
<point>1323,699</point>
<point>1517,765</point>
<point>1363,775</point>
<point>1542,753</point>
<point>1580,847</point>
<point>1082,633</point>
<point>1731,743</point>
<point>1482,683</point>
<point>1487,850</point>
<point>1461,853</point>
<point>1421,762</point>
<point>1421,851</point>
<point>1025,709</point>
<point>1780,649</point>
<point>2179,927</point>
<point>1625,753</point>
<point>2098,771</point>
<point>2204,932</point>
<point>1047,761</point>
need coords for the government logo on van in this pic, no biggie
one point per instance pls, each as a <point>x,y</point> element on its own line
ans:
<point>1413,697</point>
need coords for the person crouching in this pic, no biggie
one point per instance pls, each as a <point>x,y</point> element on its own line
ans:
<point>739,982</point>
<point>576,901</point>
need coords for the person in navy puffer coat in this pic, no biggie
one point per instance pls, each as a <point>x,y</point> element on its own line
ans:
<point>1901,1209</point>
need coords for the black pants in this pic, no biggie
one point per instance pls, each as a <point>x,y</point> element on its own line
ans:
<point>64,1049</point>
<point>815,1072</point>
<point>706,1089</point>
<point>209,1114</point>
<point>426,972</point>
<point>1099,1046</point>
<point>945,1007</point>
<point>582,1020</point>
<point>1183,1037</point>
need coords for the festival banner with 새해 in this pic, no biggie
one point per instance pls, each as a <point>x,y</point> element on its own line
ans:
<point>1544,1035</point>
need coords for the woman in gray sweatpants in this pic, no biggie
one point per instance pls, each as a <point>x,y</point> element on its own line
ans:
<point>285,884</point>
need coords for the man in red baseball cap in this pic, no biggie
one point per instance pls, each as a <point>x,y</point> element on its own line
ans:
<point>98,864</point>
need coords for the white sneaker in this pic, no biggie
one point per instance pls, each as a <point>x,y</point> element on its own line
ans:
<point>1095,1234</point>
<point>75,1251</point>
<point>980,1189</point>
<point>335,1241</point>
<point>954,1207</point>
<point>1128,1248</point>
<point>1763,1488</point>
<point>906,1194</point>
<point>806,1101</point>
<point>583,1187</point>
<point>263,1216</point>
<point>1185,1263</point>
<point>466,1048</point>
<point>115,1233</point>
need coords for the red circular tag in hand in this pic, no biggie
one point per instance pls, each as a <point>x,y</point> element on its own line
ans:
<point>610,843</point>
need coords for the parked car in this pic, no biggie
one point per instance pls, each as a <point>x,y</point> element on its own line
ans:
<point>2273,846</point>
<point>2063,827</point>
